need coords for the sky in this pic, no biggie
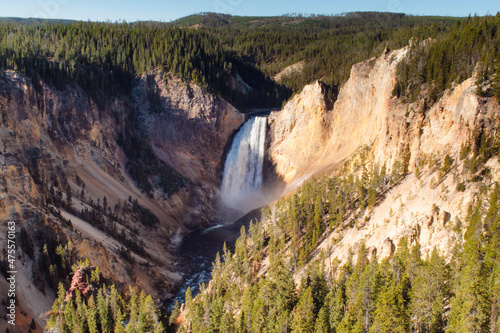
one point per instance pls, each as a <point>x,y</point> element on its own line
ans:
<point>167,10</point>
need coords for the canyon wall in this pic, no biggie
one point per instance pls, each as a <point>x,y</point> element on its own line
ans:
<point>368,126</point>
<point>189,128</point>
<point>60,146</point>
<point>299,133</point>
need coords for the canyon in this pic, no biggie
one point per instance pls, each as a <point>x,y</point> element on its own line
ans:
<point>50,135</point>
<point>64,138</point>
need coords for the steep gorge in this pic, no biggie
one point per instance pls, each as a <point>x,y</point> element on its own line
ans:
<point>63,139</point>
<point>65,177</point>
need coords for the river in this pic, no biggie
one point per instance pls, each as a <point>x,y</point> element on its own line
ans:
<point>198,251</point>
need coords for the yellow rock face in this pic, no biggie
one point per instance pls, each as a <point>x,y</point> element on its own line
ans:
<point>307,139</point>
<point>300,132</point>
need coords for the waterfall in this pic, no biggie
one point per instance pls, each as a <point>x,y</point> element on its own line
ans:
<point>242,177</point>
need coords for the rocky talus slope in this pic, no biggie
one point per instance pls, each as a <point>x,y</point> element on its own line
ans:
<point>64,176</point>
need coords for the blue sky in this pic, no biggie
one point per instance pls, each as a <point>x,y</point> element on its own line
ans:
<point>166,10</point>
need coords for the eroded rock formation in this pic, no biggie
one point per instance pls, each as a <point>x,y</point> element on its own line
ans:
<point>307,139</point>
<point>62,144</point>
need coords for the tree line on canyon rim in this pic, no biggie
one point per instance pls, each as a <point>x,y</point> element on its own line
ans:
<point>104,58</point>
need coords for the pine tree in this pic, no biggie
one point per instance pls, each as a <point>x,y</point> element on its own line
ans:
<point>471,305</point>
<point>81,313</point>
<point>133,309</point>
<point>496,82</point>
<point>148,318</point>
<point>188,297</point>
<point>119,322</point>
<point>427,294</point>
<point>69,317</point>
<point>322,324</point>
<point>56,320</point>
<point>303,316</point>
<point>176,311</point>
<point>92,316</point>
<point>69,197</point>
<point>390,314</point>
<point>336,300</point>
<point>281,287</point>
<point>227,323</point>
<point>259,311</point>
<point>104,312</point>
<point>216,314</point>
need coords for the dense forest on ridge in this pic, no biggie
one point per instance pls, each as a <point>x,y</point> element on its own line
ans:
<point>471,45</point>
<point>106,56</point>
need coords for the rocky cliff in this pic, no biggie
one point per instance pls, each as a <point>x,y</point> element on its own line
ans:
<point>299,133</point>
<point>307,138</point>
<point>367,127</point>
<point>64,176</point>
<point>189,129</point>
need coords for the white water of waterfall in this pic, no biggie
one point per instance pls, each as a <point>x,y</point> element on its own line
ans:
<point>242,177</point>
